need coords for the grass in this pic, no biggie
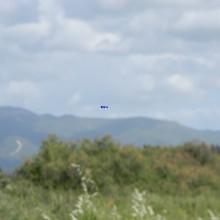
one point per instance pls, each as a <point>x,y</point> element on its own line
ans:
<point>22,200</point>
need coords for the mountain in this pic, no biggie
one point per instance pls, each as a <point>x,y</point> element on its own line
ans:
<point>22,131</point>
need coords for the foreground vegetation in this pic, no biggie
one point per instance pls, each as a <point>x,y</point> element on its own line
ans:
<point>101,180</point>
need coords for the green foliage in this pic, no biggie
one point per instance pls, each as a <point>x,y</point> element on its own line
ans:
<point>175,183</point>
<point>192,168</point>
<point>26,201</point>
<point>4,180</point>
<point>199,151</point>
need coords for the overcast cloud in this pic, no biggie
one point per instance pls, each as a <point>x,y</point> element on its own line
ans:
<point>156,58</point>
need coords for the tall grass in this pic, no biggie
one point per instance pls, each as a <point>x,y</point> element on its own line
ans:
<point>21,200</point>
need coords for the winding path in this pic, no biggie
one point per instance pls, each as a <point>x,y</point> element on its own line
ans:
<point>18,149</point>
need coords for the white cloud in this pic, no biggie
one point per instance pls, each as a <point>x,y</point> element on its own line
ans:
<point>20,93</point>
<point>79,35</point>
<point>26,33</point>
<point>50,10</point>
<point>7,6</point>
<point>199,19</point>
<point>150,18</point>
<point>198,25</point>
<point>75,98</point>
<point>54,31</point>
<point>147,82</point>
<point>72,33</point>
<point>181,83</point>
<point>22,89</point>
<point>112,4</point>
<point>180,2</point>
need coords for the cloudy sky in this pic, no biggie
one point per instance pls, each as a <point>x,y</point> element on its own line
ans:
<point>157,58</point>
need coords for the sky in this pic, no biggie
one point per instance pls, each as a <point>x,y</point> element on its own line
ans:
<point>153,58</point>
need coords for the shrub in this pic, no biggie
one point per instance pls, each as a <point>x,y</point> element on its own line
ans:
<point>199,151</point>
<point>3,180</point>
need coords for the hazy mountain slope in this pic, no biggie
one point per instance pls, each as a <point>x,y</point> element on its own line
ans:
<point>21,126</point>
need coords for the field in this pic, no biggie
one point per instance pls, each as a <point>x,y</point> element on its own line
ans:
<point>100,180</point>
<point>23,201</point>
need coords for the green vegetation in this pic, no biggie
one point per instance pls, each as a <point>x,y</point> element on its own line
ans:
<point>102,180</point>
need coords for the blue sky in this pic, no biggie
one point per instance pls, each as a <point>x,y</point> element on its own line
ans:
<point>155,58</point>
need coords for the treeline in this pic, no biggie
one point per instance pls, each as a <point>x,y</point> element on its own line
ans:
<point>190,168</point>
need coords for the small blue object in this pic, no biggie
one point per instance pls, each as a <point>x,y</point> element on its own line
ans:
<point>104,107</point>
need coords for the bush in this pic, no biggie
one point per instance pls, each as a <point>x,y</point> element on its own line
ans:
<point>111,166</point>
<point>199,151</point>
<point>4,180</point>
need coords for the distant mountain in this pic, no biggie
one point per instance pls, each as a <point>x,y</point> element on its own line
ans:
<point>22,131</point>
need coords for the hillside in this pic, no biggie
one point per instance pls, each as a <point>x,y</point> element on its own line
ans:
<point>28,128</point>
